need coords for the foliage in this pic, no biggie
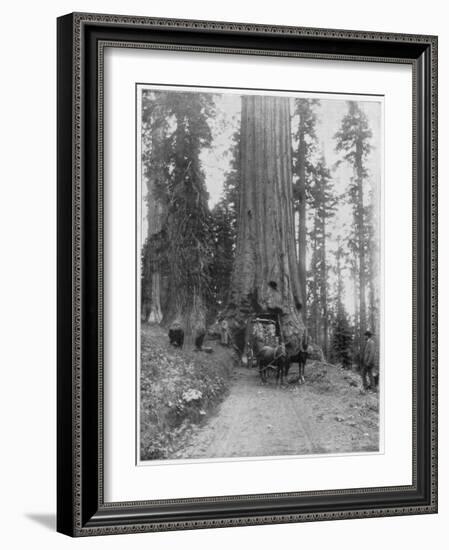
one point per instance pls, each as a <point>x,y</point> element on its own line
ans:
<point>176,130</point>
<point>353,141</point>
<point>195,247</point>
<point>223,259</point>
<point>146,274</point>
<point>177,389</point>
<point>304,152</point>
<point>342,339</point>
<point>304,147</point>
<point>353,137</point>
<point>224,231</point>
<point>322,206</point>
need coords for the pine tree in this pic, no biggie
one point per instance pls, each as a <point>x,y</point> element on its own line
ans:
<point>322,206</point>
<point>342,332</point>
<point>342,339</point>
<point>353,140</point>
<point>303,151</point>
<point>223,257</point>
<point>372,265</point>
<point>224,229</point>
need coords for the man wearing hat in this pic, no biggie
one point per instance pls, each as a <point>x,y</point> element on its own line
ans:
<point>369,359</point>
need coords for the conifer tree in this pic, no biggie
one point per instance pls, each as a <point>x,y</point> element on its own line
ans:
<point>322,206</point>
<point>304,150</point>
<point>184,242</point>
<point>353,141</point>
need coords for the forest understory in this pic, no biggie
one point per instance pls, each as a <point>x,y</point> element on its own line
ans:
<point>178,389</point>
<point>216,408</point>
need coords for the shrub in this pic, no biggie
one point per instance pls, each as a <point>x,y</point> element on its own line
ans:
<point>177,389</point>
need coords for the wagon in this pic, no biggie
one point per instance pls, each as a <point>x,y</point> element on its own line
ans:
<point>262,329</point>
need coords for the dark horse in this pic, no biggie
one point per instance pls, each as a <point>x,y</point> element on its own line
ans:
<point>300,357</point>
<point>271,357</point>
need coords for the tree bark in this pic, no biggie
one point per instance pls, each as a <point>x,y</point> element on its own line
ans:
<point>314,298</point>
<point>373,271</point>
<point>187,234</point>
<point>265,275</point>
<point>338,256</point>
<point>360,227</point>
<point>155,219</point>
<point>302,229</point>
<point>375,297</point>
<point>323,290</point>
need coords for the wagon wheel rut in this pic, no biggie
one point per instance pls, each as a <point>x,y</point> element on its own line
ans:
<point>254,420</point>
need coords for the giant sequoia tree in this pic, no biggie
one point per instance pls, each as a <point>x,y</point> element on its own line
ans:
<point>188,226</point>
<point>156,158</point>
<point>179,242</point>
<point>265,274</point>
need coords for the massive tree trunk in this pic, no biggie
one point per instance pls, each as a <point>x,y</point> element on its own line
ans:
<point>265,275</point>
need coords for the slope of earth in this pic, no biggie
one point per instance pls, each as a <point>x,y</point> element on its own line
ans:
<point>178,388</point>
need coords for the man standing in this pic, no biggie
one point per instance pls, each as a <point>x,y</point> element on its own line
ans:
<point>224,332</point>
<point>368,361</point>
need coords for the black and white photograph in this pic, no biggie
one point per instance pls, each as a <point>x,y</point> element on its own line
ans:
<point>224,221</point>
<point>258,261</point>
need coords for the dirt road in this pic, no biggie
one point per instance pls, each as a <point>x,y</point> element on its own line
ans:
<point>329,414</point>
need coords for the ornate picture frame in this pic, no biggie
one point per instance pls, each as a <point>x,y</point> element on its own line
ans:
<point>81,507</point>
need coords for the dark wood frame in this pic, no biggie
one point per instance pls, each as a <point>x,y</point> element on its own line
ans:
<point>81,509</point>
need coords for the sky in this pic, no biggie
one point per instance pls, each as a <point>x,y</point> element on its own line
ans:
<point>330,111</point>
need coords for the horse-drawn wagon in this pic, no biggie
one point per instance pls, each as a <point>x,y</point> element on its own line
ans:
<point>265,347</point>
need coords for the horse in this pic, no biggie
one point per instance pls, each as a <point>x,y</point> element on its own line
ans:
<point>267,356</point>
<point>300,357</point>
